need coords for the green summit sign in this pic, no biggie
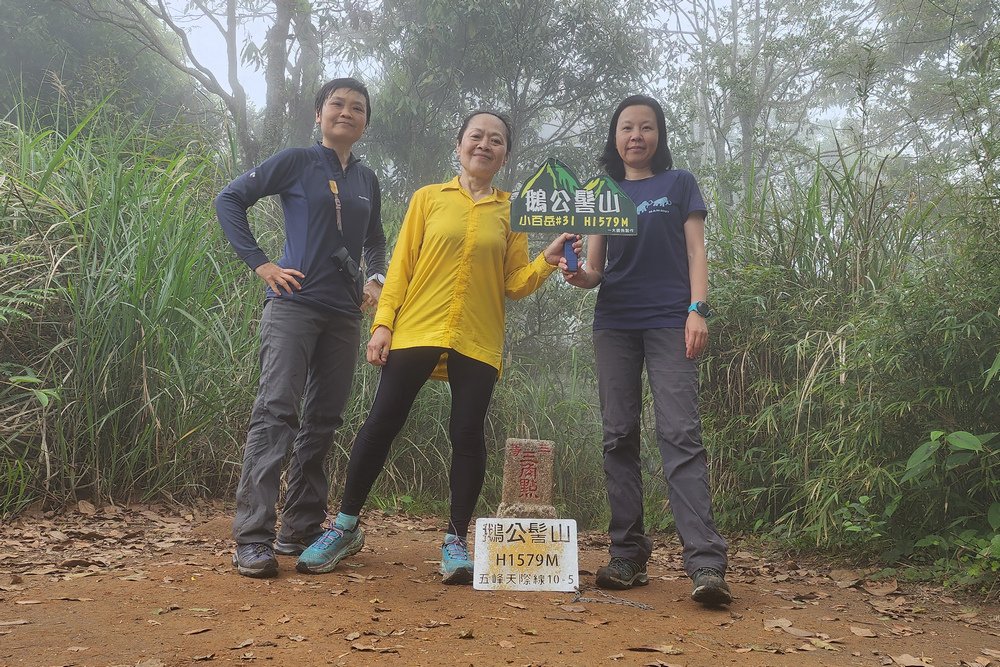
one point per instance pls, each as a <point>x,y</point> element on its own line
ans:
<point>554,201</point>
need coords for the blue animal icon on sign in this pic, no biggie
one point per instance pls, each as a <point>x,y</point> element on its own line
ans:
<point>653,205</point>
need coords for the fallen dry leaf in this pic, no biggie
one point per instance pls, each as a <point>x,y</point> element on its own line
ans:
<point>376,649</point>
<point>845,578</point>
<point>819,643</point>
<point>668,649</point>
<point>881,588</point>
<point>797,632</point>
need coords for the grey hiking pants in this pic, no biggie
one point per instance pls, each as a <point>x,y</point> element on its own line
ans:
<point>673,380</point>
<point>307,359</point>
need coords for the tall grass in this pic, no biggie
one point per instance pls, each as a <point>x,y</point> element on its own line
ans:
<point>136,335</point>
<point>853,323</point>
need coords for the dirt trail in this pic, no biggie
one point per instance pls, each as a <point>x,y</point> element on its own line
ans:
<point>152,586</point>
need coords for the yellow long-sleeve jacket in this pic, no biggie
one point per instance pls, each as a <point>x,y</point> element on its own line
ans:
<point>454,262</point>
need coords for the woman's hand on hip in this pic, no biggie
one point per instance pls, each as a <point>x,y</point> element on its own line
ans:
<point>695,335</point>
<point>377,350</point>
<point>277,277</point>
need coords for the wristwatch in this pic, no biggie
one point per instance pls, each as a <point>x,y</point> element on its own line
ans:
<point>378,278</point>
<point>702,308</point>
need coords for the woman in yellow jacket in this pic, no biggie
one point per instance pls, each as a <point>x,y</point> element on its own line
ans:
<point>441,315</point>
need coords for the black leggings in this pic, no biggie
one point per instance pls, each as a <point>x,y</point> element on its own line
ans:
<point>404,374</point>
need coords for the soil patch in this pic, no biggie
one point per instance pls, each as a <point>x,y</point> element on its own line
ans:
<point>153,586</point>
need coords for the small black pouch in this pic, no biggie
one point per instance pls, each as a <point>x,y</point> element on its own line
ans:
<point>349,269</point>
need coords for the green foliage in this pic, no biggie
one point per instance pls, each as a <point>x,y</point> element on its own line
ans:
<point>862,526</point>
<point>13,487</point>
<point>131,329</point>
<point>963,540</point>
<point>842,336</point>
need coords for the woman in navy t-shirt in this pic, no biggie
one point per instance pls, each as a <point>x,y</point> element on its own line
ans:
<point>652,311</point>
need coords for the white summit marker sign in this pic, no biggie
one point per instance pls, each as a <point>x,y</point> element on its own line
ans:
<point>515,554</point>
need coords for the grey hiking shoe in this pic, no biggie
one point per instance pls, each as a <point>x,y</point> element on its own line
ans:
<point>295,545</point>
<point>255,560</point>
<point>621,574</point>
<point>710,587</point>
<point>332,547</point>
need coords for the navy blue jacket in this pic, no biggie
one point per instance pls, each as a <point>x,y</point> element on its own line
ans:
<point>300,177</point>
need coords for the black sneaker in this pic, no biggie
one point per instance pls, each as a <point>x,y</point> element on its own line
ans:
<point>294,546</point>
<point>255,560</point>
<point>710,587</point>
<point>621,574</point>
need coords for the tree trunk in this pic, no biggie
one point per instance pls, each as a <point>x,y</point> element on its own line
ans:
<point>302,111</point>
<point>272,134</point>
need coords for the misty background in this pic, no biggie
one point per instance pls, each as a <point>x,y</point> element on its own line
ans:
<point>848,151</point>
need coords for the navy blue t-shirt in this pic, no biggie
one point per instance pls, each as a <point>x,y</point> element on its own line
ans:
<point>646,282</point>
<point>301,178</point>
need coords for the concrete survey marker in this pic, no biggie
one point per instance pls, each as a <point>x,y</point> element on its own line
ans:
<point>526,555</point>
<point>527,479</point>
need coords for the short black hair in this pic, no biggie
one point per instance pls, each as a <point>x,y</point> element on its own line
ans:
<point>350,84</point>
<point>508,126</point>
<point>612,161</point>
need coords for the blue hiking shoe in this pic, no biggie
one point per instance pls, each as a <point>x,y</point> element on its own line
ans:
<point>456,566</point>
<point>332,547</point>
<point>295,545</point>
<point>255,560</point>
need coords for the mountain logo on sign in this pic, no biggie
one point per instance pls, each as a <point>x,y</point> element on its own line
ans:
<point>553,199</point>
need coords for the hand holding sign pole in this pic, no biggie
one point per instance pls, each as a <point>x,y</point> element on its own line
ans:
<point>552,200</point>
<point>572,265</point>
